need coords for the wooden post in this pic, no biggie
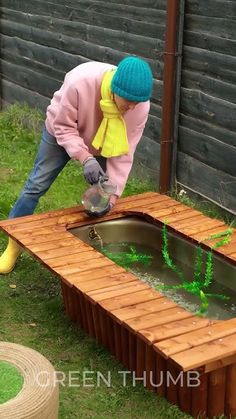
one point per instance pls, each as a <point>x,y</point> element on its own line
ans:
<point>125,346</point>
<point>117,335</point>
<point>184,394</point>
<point>199,396</point>
<point>97,329</point>
<point>150,367</point>
<point>88,309</point>
<point>132,351</point>
<point>110,334</point>
<point>160,365</point>
<point>230,394</point>
<point>140,357</point>
<point>216,393</point>
<point>172,382</point>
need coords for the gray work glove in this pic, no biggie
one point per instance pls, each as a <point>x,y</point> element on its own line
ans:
<point>92,170</point>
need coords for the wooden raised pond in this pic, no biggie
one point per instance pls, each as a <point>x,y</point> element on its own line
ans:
<point>189,360</point>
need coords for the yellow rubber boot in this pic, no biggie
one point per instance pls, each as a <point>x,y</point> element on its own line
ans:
<point>9,257</point>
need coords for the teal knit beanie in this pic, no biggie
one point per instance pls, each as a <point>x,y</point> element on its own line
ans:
<point>133,80</point>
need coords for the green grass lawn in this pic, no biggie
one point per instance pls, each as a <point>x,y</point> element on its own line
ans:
<point>11,381</point>
<point>31,308</point>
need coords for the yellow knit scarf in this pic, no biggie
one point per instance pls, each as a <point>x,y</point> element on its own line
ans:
<point>111,136</point>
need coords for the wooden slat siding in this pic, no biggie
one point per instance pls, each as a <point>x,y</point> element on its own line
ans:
<point>130,314</point>
<point>230,249</point>
<point>55,257</point>
<point>79,29</point>
<point>114,288</point>
<point>40,42</point>
<point>150,367</point>
<point>101,20</point>
<point>216,393</point>
<point>199,398</point>
<point>176,214</point>
<point>206,353</point>
<point>189,231</point>
<point>108,282</point>
<point>217,131</point>
<point>227,249</point>
<point>44,239</point>
<point>221,185</point>
<point>79,257</point>
<point>73,267</point>
<point>136,310</point>
<point>75,209</point>
<point>184,394</point>
<point>152,202</point>
<point>99,273</point>
<point>230,400</point>
<point>45,8</point>
<point>203,237</point>
<point>161,369</point>
<point>208,102</point>
<point>172,329</point>
<point>214,365</point>
<point>67,244</point>
<point>114,294</point>
<point>185,341</point>
<point>87,49</point>
<point>125,301</point>
<point>189,223</point>
<point>153,319</point>
<point>199,150</point>
<point>171,389</point>
<point>107,293</point>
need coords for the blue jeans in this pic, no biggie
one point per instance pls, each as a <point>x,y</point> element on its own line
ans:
<point>50,161</point>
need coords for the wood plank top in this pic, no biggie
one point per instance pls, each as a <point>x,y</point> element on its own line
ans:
<point>173,331</point>
<point>194,339</point>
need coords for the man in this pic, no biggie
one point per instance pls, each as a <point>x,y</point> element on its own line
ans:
<point>97,118</point>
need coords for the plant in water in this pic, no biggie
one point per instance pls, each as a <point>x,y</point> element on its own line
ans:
<point>127,258</point>
<point>200,282</point>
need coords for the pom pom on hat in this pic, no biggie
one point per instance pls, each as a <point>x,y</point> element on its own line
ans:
<point>133,80</point>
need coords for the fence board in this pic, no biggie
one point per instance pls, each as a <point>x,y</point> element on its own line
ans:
<point>208,150</point>
<point>212,183</point>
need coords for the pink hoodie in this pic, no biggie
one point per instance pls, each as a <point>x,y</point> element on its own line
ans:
<point>74,116</point>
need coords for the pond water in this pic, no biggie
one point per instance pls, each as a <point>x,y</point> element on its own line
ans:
<point>154,271</point>
<point>132,242</point>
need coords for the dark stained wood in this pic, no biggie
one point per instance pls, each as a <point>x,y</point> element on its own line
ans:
<point>230,400</point>
<point>189,168</point>
<point>199,394</point>
<point>150,369</point>
<point>184,393</point>
<point>216,393</point>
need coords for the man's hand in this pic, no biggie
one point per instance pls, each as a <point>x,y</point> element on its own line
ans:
<point>92,170</point>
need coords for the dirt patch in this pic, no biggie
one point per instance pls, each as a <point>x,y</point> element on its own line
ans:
<point>5,173</point>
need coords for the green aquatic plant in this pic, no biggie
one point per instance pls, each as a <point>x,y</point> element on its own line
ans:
<point>198,286</point>
<point>128,257</point>
<point>225,240</point>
